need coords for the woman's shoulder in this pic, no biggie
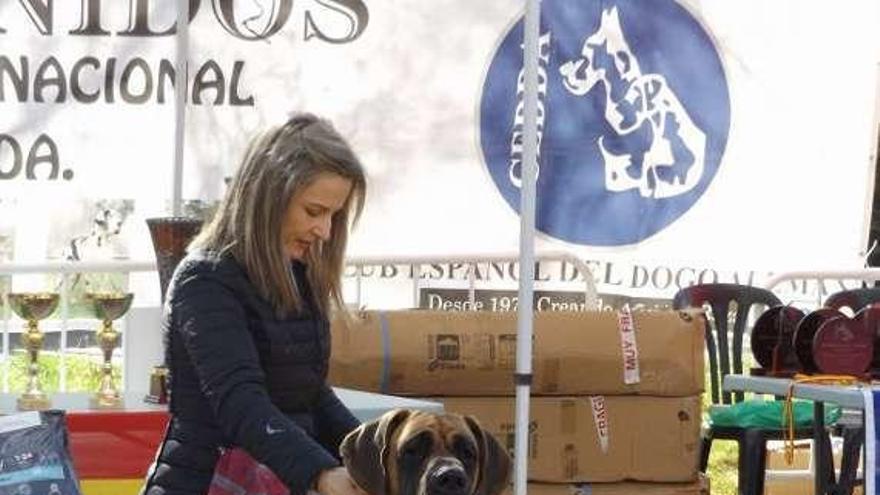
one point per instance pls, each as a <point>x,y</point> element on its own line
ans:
<point>212,265</point>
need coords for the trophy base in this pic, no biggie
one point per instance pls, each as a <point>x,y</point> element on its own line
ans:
<point>106,402</point>
<point>158,386</point>
<point>36,402</point>
<point>155,399</point>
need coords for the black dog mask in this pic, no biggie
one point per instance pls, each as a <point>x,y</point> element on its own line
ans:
<point>417,453</point>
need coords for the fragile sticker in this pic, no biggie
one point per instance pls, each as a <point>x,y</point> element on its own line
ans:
<point>600,419</point>
<point>627,327</point>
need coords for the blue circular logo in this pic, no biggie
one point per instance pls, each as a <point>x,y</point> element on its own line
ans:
<point>633,118</point>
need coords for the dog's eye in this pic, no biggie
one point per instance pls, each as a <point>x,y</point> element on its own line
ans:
<point>416,447</point>
<point>411,452</point>
<point>464,450</point>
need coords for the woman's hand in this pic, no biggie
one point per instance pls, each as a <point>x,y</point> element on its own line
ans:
<point>337,481</point>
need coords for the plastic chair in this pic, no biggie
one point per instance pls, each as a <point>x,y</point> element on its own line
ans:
<point>726,357</point>
<point>854,299</point>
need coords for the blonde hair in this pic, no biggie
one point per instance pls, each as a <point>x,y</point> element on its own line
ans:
<point>278,164</point>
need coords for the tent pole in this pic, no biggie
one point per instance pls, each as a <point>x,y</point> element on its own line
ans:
<point>525,312</point>
<point>180,90</point>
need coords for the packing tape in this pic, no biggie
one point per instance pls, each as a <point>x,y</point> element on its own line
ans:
<point>550,376</point>
<point>630,351</point>
<point>600,419</point>
<point>568,417</point>
<point>385,376</point>
<point>570,461</point>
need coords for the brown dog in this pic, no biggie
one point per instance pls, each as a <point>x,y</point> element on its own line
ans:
<point>417,453</point>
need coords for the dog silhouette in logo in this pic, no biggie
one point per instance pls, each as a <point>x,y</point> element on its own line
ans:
<point>656,147</point>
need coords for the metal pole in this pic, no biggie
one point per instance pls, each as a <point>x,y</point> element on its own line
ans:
<point>65,322</point>
<point>523,376</point>
<point>180,91</point>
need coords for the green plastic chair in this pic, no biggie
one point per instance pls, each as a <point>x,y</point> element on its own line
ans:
<point>731,417</point>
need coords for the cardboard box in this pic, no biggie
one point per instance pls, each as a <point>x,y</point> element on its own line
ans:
<point>797,478</point>
<point>435,353</point>
<point>802,460</point>
<point>700,487</point>
<point>598,438</point>
<point>796,483</point>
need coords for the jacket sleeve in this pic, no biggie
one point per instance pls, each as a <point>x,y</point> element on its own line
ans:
<point>335,420</point>
<point>213,327</point>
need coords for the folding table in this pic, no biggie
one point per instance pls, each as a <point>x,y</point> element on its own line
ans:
<point>848,397</point>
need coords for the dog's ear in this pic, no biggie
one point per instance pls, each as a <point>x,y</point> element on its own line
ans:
<point>494,461</point>
<point>364,451</point>
<point>101,218</point>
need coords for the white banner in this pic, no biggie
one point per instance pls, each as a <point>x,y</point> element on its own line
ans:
<point>697,135</point>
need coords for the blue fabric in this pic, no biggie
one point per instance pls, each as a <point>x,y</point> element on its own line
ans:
<point>876,395</point>
<point>870,397</point>
<point>34,457</point>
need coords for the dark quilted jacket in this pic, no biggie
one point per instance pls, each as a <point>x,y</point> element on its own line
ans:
<point>241,377</point>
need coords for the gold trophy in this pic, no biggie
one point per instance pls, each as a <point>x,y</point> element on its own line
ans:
<point>33,307</point>
<point>108,306</point>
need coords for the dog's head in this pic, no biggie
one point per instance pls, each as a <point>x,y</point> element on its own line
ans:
<point>417,453</point>
<point>605,56</point>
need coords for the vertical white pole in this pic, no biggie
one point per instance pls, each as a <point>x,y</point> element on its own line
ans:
<point>4,312</point>
<point>180,91</point>
<point>417,276</point>
<point>873,161</point>
<point>65,323</point>
<point>523,376</point>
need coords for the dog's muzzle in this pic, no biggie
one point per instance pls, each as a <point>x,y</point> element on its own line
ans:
<point>447,477</point>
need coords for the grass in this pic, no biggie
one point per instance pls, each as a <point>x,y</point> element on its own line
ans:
<point>81,284</point>
<point>83,372</point>
<point>722,470</point>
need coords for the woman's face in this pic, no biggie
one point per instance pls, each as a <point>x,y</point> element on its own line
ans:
<point>310,211</point>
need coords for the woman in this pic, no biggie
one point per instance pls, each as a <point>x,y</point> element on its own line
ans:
<point>246,319</point>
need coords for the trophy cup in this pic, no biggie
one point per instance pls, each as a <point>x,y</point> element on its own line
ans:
<point>33,307</point>
<point>844,346</point>
<point>108,306</point>
<point>772,341</point>
<point>170,236</point>
<point>805,333</point>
